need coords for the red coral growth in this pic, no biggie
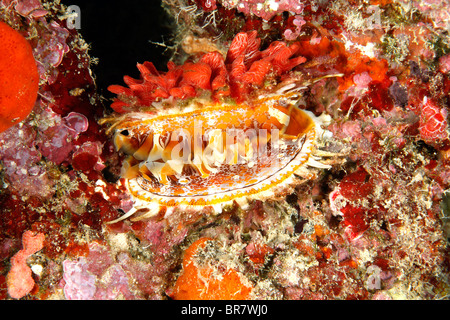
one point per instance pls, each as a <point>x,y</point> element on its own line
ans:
<point>433,122</point>
<point>245,68</point>
<point>326,54</point>
<point>379,94</point>
<point>355,219</point>
<point>356,185</point>
<point>257,252</point>
<point>355,188</point>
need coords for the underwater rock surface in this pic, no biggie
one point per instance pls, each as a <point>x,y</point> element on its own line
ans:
<point>368,219</point>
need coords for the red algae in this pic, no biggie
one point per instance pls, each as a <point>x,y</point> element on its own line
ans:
<point>356,185</point>
<point>433,122</point>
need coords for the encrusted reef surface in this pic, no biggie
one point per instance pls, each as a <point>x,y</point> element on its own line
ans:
<point>374,225</point>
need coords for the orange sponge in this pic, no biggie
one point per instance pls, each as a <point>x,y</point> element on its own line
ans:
<point>202,282</point>
<point>19,77</point>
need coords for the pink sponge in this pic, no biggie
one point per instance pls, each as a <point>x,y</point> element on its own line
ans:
<point>19,279</point>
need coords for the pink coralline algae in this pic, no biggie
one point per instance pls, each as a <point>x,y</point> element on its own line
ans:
<point>292,34</point>
<point>57,141</point>
<point>19,279</point>
<point>30,8</point>
<point>50,50</point>
<point>21,157</point>
<point>444,64</point>
<point>265,9</point>
<point>100,277</point>
<point>23,148</point>
<point>79,284</point>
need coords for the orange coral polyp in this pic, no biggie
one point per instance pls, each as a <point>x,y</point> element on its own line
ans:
<point>19,77</point>
<point>244,68</point>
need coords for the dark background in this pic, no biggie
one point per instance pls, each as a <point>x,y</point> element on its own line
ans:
<point>120,34</point>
